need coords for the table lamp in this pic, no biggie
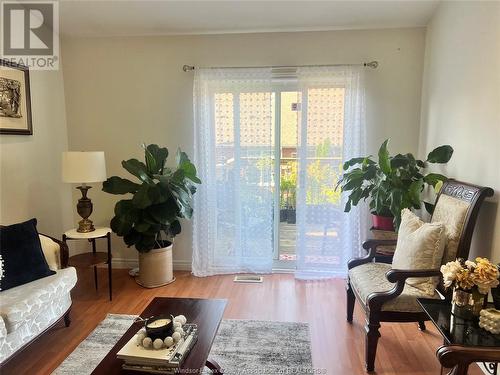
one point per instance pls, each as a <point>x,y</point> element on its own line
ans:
<point>84,168</point>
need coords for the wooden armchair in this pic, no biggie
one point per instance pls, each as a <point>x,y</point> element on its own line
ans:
<point>383,292</point>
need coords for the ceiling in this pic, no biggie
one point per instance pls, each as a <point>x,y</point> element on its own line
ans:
<point>146,17</point>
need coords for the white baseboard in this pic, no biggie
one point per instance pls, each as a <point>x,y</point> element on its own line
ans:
<point>182,265</point>
<point>124,263</point>
<point>127,263</point>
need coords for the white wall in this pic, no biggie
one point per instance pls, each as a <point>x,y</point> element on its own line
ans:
<point>461,103</point>
<point>121,92</point>
<point>30,166</point>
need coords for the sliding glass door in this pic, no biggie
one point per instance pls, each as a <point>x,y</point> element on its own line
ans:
<point>270,152</point>
<point>268,138</point>
<point>321,141</point>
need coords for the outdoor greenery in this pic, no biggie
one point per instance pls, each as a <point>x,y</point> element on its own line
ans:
<point>288,186</point>
<point>393,182</point>
<point>321,176</point>
<point>150,218</point>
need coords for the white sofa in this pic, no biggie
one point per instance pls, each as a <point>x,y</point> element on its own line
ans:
<point>28,310</point>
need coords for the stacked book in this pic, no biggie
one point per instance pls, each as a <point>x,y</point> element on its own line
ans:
<point>158,361</point>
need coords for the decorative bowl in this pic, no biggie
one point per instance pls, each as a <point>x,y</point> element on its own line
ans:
<point>159,327</point>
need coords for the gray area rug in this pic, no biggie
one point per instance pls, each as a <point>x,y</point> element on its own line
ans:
<point>241,347</point>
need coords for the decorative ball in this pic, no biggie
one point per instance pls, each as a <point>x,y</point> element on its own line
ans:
<point>181,318</point>
<point>180,330</point>
<point>139,337</point>
<point>169,341</point>
<point>177,324</point>
<point>158,343</point>
<point>176,336</point>
<point>147,342</point>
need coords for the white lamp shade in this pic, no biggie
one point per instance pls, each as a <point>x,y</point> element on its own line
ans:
<point>83,167</point>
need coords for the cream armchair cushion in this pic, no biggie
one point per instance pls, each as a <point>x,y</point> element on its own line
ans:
<point>452,212</point>
<point>420,246</point>
<point>370,277</point>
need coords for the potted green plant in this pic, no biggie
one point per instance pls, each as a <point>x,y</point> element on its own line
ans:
<point>150,218</point>
<point>391,183</point>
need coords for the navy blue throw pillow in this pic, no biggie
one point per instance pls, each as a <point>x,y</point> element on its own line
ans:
<point>23,259</point>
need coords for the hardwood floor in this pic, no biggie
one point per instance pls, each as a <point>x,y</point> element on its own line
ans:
<point>337,347</point>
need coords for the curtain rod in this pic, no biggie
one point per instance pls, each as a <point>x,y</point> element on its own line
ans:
<point>371,64</point>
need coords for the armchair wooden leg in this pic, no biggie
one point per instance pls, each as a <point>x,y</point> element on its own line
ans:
<point>351,299</point>
<point>421,325</point>
<point>371,341</point>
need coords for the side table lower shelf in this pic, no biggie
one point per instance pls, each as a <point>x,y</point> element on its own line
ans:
<point>86,260</point>
<point>94,258</point>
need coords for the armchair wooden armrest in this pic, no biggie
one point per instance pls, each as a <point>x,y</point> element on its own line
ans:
<point>373,243</point>
<point>395,276</point>
<point>458,358</point>
<point>63,252</point>
<point>398,277</point>
<point>371,246</point>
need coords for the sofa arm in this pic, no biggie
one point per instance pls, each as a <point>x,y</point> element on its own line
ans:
<point>62,249</point>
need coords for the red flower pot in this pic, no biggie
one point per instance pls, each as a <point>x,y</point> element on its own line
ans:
<point>383,222</point>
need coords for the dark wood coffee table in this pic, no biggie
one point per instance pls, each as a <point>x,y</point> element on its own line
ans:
<point>206,313</point>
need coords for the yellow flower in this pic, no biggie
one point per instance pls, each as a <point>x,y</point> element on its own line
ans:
<point>464,279</point>
<point>485,275</point>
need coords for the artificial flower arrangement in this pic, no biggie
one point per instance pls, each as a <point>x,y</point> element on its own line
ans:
<point>466,274</point>
<point>472,281</point>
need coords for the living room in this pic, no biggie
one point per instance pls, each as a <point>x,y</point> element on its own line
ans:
<point>276,142</point>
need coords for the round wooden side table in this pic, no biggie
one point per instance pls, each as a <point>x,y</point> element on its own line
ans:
<point>93,259</point>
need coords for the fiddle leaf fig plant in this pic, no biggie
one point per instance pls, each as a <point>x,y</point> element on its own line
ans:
<point>150,217</point>
<point>392,183</point>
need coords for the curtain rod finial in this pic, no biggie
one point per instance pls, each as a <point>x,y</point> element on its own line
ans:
<point>371,64</point>
<point>187,68</point>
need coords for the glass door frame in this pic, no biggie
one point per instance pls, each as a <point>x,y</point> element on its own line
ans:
<point>284,85</point>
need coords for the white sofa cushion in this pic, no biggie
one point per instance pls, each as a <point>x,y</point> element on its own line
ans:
<point>25,302</point>
<point>51,251</point>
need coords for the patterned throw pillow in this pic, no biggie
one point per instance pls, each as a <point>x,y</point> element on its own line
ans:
<point>451,212</point>
<point>420,246</point>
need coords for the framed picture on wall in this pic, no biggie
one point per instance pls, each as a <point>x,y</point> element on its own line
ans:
<point>15,99</point>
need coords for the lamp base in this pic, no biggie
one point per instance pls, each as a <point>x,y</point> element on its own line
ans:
<point>85,226</point>
<point>84,209</point>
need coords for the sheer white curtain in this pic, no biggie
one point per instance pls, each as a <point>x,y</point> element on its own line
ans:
<point>233,213</point>
<point>326,236</point>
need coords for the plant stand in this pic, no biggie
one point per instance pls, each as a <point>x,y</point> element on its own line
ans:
<point>384,252</point>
